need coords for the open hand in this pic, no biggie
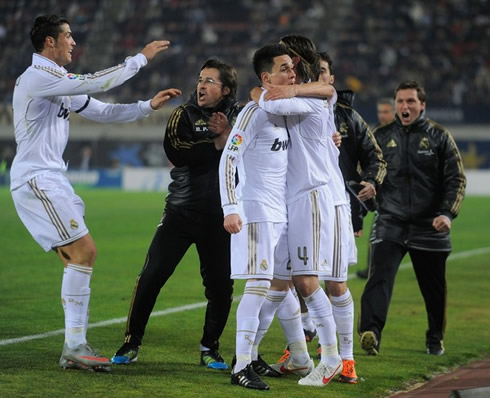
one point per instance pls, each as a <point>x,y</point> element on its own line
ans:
<point>162,97</point>
<point>153,48</point>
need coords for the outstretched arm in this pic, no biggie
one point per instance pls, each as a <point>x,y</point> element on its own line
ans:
<point>313,89</point>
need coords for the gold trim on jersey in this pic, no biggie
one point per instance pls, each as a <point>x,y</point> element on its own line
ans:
<point>50,210</point>
<point>104,72</point>
<point>459,161</point>
<point>247,116</point>
<point>172,131</point>
<point>53,71</point>
<point>230,180</point>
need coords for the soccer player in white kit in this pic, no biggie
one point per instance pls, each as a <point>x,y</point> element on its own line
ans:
<point>43,98</point>
<point>344,248</point>
<point>311,213</point>
<point>255,210</point>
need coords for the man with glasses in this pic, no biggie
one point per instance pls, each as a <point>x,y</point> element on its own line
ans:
<point>195,136</point>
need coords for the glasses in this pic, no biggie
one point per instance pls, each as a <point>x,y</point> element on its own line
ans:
<point>207,80</point>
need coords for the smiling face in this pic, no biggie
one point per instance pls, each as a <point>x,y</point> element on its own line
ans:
<point>282,72</point>
<point>59,50</point>
<point>408,105</point>
<point>210,90</point>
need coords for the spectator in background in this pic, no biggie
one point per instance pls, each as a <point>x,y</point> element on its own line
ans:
<point>421,194</point>
<point>86,156</point>
<point>194,139</point>
<point>44,96</point>
<point>385,109</point>
<point>410,37</point>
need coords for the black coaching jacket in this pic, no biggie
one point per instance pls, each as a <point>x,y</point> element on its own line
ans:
<point>189,146</point>
<point>358,150</point>
<point>425,178</point>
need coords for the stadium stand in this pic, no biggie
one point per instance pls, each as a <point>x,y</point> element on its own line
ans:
<point>445,44</point>
<point>375,43</point>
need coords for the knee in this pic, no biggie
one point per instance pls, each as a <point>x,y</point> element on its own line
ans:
<point>306,285</point>
<point>335,289</point>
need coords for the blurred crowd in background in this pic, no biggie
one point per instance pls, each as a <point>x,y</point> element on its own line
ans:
<point>374,43</point>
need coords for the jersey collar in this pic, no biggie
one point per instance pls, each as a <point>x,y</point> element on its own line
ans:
<point>38,59</point>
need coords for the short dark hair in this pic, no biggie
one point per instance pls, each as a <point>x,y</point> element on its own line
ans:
<point>44,26</point>
<point>407,84</point>
<point>387,101</point>
<point>305,49</point>
<point>263,59</point>
<point>327,58</point>
<point>227,74</point>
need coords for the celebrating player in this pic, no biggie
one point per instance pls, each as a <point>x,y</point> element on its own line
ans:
<point>44,96</point>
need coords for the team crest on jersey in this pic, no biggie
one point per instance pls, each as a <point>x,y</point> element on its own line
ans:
<point>264,265</point>
<point>73,224</point>
<point>424,143</point>
<point>75,76</point>
<point>391,144</point>
<point>343,130</point>
<point>424,147</point>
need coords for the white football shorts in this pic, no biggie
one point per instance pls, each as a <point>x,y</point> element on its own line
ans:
<point>50,210</point>
<point>282,265</point>
<point>310,235</point>
<point>252,250</point>
<point>344,247</point>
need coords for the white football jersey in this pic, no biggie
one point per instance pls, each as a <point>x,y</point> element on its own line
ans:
<point>310,124</point>
<point>336,183</point>
<point>258,149</point>
<point>44,96</point>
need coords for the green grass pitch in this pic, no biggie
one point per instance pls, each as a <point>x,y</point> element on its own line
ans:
<point>122,225</point>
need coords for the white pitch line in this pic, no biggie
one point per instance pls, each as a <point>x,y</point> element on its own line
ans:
<point>189,307</point>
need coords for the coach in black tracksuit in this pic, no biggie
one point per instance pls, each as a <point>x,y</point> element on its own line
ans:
<point>421,194</point>
<point>193,213</point>
<point>358,148</point>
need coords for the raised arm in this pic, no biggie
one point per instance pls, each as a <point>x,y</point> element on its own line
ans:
<point>99,111</point>
<point>50,82</point>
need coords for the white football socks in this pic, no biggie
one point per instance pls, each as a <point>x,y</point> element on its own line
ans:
<point>320,311</point>
<point>75,297</point>
<point>247,321</point>
<point>289,317</point>
<point>343,313</point>
<point>272,301</point>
